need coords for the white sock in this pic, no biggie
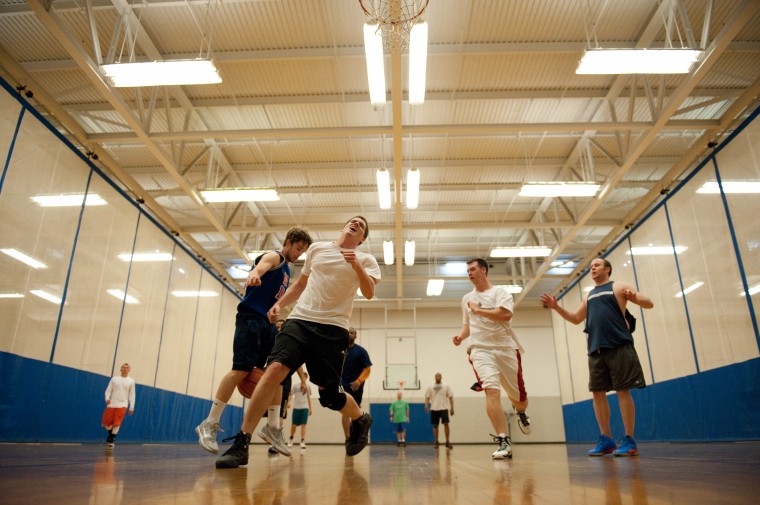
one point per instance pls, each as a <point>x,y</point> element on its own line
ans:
<point>503,435</point>
<point>273,416</point>
<point>217,407</point>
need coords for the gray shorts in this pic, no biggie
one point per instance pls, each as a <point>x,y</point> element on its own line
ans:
<point>615,369</point>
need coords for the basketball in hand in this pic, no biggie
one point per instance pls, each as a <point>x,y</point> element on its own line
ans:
<point>248,384</point>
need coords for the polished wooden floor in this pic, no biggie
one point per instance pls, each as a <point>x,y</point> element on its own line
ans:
<point>692,474</point>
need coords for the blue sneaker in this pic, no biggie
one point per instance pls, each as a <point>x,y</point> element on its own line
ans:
<point>605,445</point>
<point>627,448</point>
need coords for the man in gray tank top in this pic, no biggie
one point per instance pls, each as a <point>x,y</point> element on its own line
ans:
<point>612,359</point>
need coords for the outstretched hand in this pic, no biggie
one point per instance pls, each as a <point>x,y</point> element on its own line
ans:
<point>549,302</point>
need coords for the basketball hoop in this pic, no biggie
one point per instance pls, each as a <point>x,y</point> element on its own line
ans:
<point>395,19</point>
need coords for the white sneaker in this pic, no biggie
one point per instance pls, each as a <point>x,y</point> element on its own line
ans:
<point>523,422</point>
<point>505,448</point>
<point>290,443</point>
<point>207,432</point>
<point>275,439</point>
<point>303,444</point>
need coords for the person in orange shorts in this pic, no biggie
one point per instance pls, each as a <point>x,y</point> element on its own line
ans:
<point>120,395</point>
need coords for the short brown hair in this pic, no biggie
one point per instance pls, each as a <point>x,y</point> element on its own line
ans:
<point>298,235</point>
<point>480,261</point>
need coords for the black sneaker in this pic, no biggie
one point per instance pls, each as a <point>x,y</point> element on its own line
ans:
<point>237,455</point>
<point>359,436</point>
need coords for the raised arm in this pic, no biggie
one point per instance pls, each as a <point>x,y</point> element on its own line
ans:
<point>574,317</point>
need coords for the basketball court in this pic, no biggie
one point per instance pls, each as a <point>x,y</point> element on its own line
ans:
<point>382,474</point>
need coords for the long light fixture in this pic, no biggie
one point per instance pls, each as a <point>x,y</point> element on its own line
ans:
<point>21,295</point>
<point>752,291</point>
<point>388,252</point>
<point>521,252</point>
<point>412,188</point>
<point>418,41</point>
<point>435,287</point>
<point>240,195</point>
<point>121,295</point>
<point>156,256</point>
<point>688,290</point>
<point>656,250</point>
<point>558,189</point>
<point>24,258</point>
<point>384,188</point>
<point>46,296</point>
<point>637,61</point>
<point>71,200</point>
<point>162,73</point>
<point>373,50</point>
<point>409,253</point>
<point>512,288</point>
<point>194,294</point>
<point>711,187</point>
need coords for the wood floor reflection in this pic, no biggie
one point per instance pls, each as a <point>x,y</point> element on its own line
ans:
<point>692,474</point>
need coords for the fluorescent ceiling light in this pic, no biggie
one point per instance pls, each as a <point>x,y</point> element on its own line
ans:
<point>688,290</point>
<point>555,189</point>
<point>435,287</point>
<point>412,188</point>
<point>72,200</point>
<point>24,258</point>
<point>454,268</point>
<point>513,288</point>
<point>122,296</point>
<point>373,51</point>
<point>388,252</point>
<point>418,42</point>
<point>162,73</point>
<point>194,294</point>
<point>11,295</point>
<point>238,271</point>
<point>409,253</point>
<point>46,296</point>
<point>637,61</point>
<point>521,252</point>
<point>384,188</point>
<point>156,256</point>
<point>711,187</point>
<point>752,291</point>
<point>240,195</point>
<point>656,250</point>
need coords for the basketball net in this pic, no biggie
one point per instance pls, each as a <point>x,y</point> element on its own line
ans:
<point>394,18</point>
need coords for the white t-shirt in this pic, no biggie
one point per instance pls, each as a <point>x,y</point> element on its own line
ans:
<point>301,399</point>
<point>329,294</point>
<point>486,333</point>
<point>121,392</point>
<point>438,395</point>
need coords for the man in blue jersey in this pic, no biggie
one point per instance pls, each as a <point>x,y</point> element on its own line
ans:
<point>356,369</point>
<point>612,359</point>
<point>255,334</point>
<point>316,334</point>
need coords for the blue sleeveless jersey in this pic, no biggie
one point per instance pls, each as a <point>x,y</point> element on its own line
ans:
<point>605,324</point>
<point>259,299</point>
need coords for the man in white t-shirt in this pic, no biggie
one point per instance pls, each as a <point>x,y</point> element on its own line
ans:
<point>439,399</point>
<point>316,334</point>
<point>494,352</point>
<point>120,394</point>
<point>300,400</point>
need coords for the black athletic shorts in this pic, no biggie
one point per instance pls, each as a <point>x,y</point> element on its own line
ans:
<point>437,416</point>
<point>253,341</point>
<point>322,347</point>
<point>615,369</point>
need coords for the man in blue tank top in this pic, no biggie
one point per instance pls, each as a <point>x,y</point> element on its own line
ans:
<point>612,359</point>
<point>254,333</point>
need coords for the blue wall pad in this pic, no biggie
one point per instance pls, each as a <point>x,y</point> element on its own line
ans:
<point>419,430</point>
<point>715,405</point>
<point>43,402</point>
